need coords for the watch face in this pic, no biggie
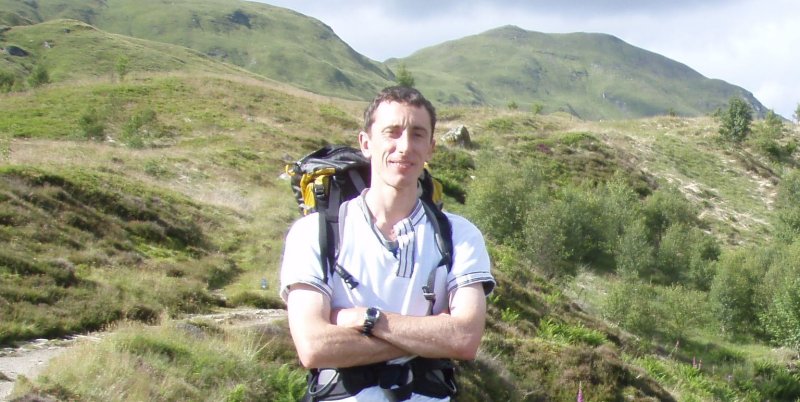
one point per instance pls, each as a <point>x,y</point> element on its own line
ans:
<point>369,321</point>
<point>372,313</point>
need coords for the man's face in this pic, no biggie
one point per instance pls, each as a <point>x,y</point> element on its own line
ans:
<point>398,144</point>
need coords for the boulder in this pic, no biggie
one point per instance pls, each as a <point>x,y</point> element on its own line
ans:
<point>16,51</point>
<point>458,136</point>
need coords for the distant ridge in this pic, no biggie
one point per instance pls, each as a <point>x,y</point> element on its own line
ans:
<point>589,75</point>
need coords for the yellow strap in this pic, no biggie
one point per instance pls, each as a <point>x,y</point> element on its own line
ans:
<point>308,183</point>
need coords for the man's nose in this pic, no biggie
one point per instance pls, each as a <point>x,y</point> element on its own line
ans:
<point>403,142</point>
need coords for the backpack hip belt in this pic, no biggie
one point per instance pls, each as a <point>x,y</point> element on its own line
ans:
<point>434,378</point>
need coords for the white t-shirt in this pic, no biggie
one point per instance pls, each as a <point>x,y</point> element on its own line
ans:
<point>390,280</point>
<point>390,275</point>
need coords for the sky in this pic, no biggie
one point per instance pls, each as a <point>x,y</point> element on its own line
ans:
<point>754,44</point>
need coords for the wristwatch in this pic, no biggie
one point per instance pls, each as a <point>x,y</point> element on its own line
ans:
<point>369,320</point>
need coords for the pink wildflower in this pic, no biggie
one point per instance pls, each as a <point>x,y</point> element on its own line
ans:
<point>580,391</point>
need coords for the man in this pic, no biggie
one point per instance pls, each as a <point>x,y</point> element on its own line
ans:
<point>383,340</point>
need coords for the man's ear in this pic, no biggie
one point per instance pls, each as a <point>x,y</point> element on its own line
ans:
<point>432,150</point>
<point>363,142</point>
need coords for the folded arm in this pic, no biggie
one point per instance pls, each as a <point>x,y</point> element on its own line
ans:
<point>321,343</point>
<point>455,335</point>
<point>333,339</point>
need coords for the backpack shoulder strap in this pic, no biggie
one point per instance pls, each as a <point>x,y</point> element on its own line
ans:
<point>327,249</point>
<point>330,234</point>
<point>443,234</point>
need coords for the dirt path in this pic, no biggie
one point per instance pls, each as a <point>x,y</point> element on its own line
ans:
<point>30,359</point>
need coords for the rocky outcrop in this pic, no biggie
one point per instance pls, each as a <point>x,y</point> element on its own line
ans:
<point>458,136</point>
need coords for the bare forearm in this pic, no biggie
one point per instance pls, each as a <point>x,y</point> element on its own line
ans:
<point>336,346</point>
<point>456,335</point>
<point>440,336</point>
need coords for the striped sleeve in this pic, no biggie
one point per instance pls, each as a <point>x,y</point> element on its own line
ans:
<point>301,263</point>
<point>470,258</point>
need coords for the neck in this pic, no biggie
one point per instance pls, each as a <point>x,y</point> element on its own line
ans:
<point>389,206</point>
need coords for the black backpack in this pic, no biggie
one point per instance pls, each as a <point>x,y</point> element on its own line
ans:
<point>326,178</point>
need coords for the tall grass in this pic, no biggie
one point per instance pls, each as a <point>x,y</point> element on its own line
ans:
<point>177,361</point>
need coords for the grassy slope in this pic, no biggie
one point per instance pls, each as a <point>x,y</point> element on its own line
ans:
<point>270,41</point>
<point>76,50</point>
<point>221,162</point>
<point>590,75</point>
<point>197,206</point>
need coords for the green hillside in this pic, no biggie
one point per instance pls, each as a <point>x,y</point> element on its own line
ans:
<point>637,259</point>
<point>270,41</point>
<point>592,76</point>
<point>72,50</point>
<point>178,208</point>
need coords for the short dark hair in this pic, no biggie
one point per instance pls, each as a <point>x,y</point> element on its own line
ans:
<point>399,94</point>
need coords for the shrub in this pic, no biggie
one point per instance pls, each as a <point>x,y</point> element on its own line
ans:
<point>735,122</point>
<point>143,129</point>
<point>501,124</point>
<point>652,310</point>
<point>570,334</point>
<point>92,125</point>
<point>787,208</point>
<point>635,254</point>
<point>681,309</point>
<point>733,290</point>
<point>766,137</point>
<point>580,215</point>
<point>258,299</point>
<point>6,81</point>
<point>684,255</point>
<point>453,167</point>
<point>631,306</point>
<point>501,197</point>
<point>665,208</point>
<point>404,77</point>
<point>781,320</point>
<point>121,67</point>
<point>38,76</point>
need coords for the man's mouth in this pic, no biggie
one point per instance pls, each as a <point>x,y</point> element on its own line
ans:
<point>401,163</point>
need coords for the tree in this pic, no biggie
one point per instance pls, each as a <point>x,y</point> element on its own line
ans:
<point>787,208</point>
<point>797,113</point>
<point>733,290</point>
<point>121,67</point>
<point>773,125</point>
<point>404,77</point>
<point>735,122</point>
<point>767,134</point>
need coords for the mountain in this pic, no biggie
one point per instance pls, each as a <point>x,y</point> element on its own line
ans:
<point>271,41</point>
<point>592,76</point>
